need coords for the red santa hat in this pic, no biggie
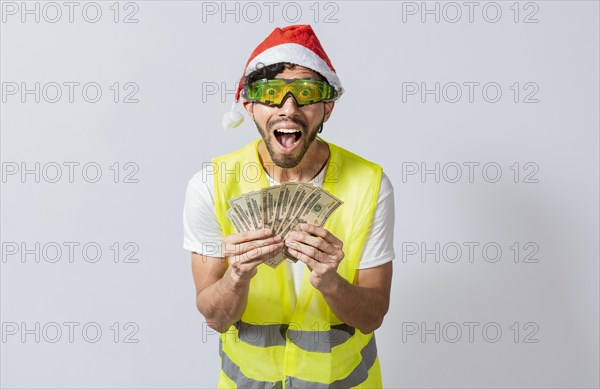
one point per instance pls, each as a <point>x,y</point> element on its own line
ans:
<point>294,44</point>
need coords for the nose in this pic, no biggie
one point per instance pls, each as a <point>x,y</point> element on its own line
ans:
<point>289,106</point>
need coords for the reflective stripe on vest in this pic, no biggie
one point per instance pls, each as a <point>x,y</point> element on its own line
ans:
<point>275,334</point>
<point>308,346</point>
<point>268,335</point>
<point>232,371</point>
<point>358,375</point>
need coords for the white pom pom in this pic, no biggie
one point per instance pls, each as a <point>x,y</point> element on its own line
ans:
<point>232,119</point>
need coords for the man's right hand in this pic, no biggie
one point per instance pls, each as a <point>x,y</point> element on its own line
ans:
<point>246,250</point>
<point>221,289</point>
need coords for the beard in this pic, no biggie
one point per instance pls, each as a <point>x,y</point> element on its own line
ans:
<point>288,161</point>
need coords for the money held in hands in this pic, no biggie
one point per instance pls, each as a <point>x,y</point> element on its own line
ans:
<point>282,208</point>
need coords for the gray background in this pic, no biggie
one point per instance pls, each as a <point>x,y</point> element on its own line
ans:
<point>176,51</point>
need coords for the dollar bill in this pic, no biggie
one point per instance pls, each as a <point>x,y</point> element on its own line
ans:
<point>277,209</point>
<point>303,196</point>
<point>234,220</point>
<point>270,196</point>
<point>238,205</point>
<point>315,210</point>
<point>254,206</point>
<point>285,195</point>
<point>295,204</point>
<point>319,211</point>
<point>282,208</point>
<point>276,260</point>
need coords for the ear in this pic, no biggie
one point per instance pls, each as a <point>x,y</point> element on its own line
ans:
<point>328,109</point>
<point>249,107</point>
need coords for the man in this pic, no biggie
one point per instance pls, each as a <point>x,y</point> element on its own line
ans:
<point>309,323</point>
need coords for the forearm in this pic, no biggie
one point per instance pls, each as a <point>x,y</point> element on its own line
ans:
<point>359,307</point>
<point>224,302</point>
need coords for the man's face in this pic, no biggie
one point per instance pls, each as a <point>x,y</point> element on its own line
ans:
<point>288,131</point>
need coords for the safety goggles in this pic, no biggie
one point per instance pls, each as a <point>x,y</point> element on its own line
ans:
<point>304,91</point>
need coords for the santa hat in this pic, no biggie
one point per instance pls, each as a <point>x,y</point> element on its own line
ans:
<point>294,44</point>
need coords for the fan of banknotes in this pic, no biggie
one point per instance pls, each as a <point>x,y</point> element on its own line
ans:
<point>282,208</point>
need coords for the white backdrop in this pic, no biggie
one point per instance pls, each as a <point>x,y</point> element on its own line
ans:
<point>483,114</point>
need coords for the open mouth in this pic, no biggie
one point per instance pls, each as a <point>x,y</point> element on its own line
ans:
<point>288,139</point>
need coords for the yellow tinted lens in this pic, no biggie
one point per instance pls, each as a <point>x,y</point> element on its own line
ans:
<point>273,91</point>
<point>267,92</point>
<point>306,92</point>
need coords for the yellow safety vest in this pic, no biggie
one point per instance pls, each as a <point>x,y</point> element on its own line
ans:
<point>273,346</point>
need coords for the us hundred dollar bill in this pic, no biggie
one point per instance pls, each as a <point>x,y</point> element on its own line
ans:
<point>234,220</point>
<point>253,202</point>
<point>286,192</point>
<point>320,210</point>
<point>270,196</point>
<point>316,210</point>
<point>238,208</point>
<point>282,208</point>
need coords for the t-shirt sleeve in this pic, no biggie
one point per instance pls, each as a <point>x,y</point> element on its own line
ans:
<point>379,246</point>
<point>201,230</point>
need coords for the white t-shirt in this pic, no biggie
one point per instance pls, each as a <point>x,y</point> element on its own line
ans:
<point>202,232</point>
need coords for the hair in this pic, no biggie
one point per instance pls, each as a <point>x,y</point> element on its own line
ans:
<point>270,71</point>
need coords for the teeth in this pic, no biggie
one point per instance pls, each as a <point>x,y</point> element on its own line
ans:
<point>287,131</point>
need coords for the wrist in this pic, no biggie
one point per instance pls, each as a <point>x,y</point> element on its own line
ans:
<point>333,286</point>
<point>239,278</point>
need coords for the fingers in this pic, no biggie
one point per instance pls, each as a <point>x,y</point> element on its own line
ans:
<point>244,264</point>
<point>246,250</point>
<point>323,234</point>
<point>248,236</point>
<point>316,247</point>
<point>244,242</point>
<point>310,262</point>
<point>320,250</point>
<point>260,253</point>
<point>306,251</point>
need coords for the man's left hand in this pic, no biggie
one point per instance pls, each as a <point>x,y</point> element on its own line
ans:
<point>320,250</point>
